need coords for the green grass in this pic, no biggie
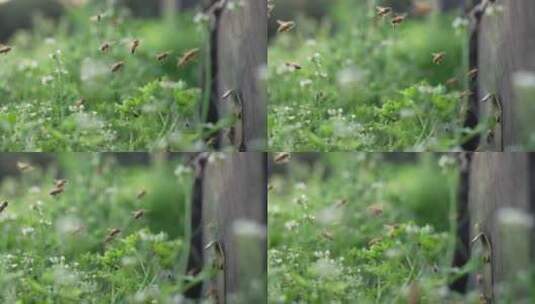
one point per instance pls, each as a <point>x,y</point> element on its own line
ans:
<point>147,105</point>
<point>365,85</point>
<point>390,242</point>
<point>53,249</point>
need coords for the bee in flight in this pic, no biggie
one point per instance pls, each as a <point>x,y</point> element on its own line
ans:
<point>219,261</point>
<point>22,166</point>
<point>96,18</point>
<point>3,206</point>
<point>162,56</point>
<point>282,158</point>
<point>340,203</point>
<point>117,66</point>
<point>4,49</point>
<point>60,183</point>
<point>134,46</point>
<point>80,102</point>
<point>328,235</point>
<point>227,94</point>
<point>285,26</point>
<point>472,73</point>
<point>383,11</point>
<point>487,97</point>
<point>452,82</point>
<point>187,57</point>
<point>112,234</point>
<point>139,214</point>
<point>59,187</point>
<point>56,191</point>
<point>293,65</point>
<point>141,193</point>
<point>104,47</point>
<point>438,58</point>
<point>397,20</point>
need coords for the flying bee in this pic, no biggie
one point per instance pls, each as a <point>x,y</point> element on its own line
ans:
<point>374,241</point>
<point>80,102</point>
<point>271,7</point>
<point>485,241</point>
<point>211,140</point>
<point>376,209</point>
<point>4,49</point>
<point>340,203</point>
<point>139,214</point>
<point>187,57</point>
<point>134,46</point>
<point>282,158</point>
<point>391,229</point>
<point>328,235</point>
<point>452,82</point>
<point>112,234</point>
<point>271,187</point>
<point>78,229</point>
<point>60,183</point>
<point>383,11</point>
<point>3,206</point>
<point>285,26</point>
<point>96,18</point>
<point>397,20</point>
<point>162,56</point>
<point>487,97</point>
<point>219,260</point>
<point>117,66</point>
<point>227,94</point>
<point>213,294</point>
<point>56,191</point>
<point>141,194</point>
<point>22,166</point>
<point>104,47</point>
<point>438,58</point>
<point>293,65</point>
<point>472,73</point>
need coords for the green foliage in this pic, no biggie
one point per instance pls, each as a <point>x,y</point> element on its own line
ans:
<point>344,231</point>
<point>54,249</point>
<point>366,85</point>
<point>147,105</point>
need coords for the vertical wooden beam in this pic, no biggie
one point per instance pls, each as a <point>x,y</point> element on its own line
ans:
<point>500,205</point>
<point>234,221</point>
<point>506,48</point>
<point>238,63</point>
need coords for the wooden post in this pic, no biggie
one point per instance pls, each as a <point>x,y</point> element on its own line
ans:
<point>231,211</point>
<point>237,68</point>
<point>506,62</point>
<point>501,199</point>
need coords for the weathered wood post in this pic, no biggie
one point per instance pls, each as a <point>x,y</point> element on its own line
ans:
<point>501,197</point>
<point>238,60</point>
<point>505,47</point>
<point>232,193</point>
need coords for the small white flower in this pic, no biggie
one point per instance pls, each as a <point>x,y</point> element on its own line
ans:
<point>305,83</point>
<point>45,80</point>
